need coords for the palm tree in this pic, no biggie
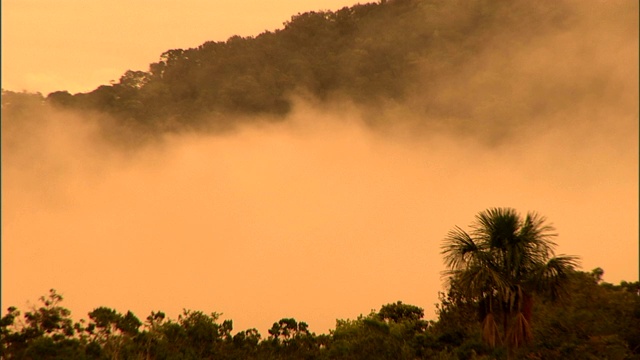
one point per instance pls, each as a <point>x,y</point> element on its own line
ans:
<point>501,264</point>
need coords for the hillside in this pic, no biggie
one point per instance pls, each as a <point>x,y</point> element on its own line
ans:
<point>371,54</point>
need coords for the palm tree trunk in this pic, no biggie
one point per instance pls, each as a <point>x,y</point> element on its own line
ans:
<point>527,307</point>
<point>505,327</point>
<point>505,319</point>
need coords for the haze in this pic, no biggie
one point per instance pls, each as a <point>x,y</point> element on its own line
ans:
<point>324,216</point>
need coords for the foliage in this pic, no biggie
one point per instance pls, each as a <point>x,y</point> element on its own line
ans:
<point>501,264</point>
<point>370,54</point>
<point>397,331</point>
<point>599,320</point>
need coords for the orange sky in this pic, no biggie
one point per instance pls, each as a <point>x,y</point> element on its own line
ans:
<point>77,45</point>
<point>318,218</point>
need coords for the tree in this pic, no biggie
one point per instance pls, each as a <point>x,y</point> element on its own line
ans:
<point>399,312</point>
<point>599,321</point>
<point>501,264</point>
<point>397,331</point>
<point>46,332</point>
<point>290,339</point>
<point>114,330</point>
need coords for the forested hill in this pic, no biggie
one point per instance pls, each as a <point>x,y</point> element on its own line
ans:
<point>369,54</point>
<point>467,65</point>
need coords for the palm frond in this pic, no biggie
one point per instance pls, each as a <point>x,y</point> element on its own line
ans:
<point>519,332</point>
<point>496,226</point>
<point>481,278</point>
<point>490,333</point>
<point>551,278</point>
<point>537,234</point>
<point>458,248</point>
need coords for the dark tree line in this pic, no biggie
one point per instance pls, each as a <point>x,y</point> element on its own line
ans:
<point>496,271</point>
<point>599,320</point>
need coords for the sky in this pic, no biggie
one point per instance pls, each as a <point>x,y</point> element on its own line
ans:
<point>318,218</point>
<point>77,46</point>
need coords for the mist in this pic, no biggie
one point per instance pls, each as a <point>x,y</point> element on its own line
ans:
<point>339,209</point>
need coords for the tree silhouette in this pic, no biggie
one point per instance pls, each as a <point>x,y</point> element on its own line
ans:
<point>501,264</point>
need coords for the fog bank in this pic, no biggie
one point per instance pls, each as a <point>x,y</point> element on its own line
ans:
<point>318,218</point>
